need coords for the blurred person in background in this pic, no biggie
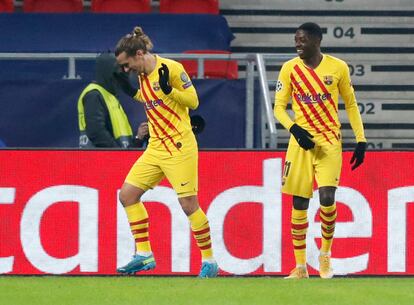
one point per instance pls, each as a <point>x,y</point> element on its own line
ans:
<point>167,94</point>
<point>102,120</point>
<point>314,81</point>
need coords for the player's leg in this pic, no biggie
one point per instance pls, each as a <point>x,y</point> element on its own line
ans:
<point>298,181</point>
<point>201,232</point>
<point>299,228</point>
<point>182,172</point>
<point>142,176</point>
<point>328,169</point>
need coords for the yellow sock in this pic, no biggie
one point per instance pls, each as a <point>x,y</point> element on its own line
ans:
<point>328,217</point>
<point>139,223</point>
<point>299,229</point>
<point>201,231</point>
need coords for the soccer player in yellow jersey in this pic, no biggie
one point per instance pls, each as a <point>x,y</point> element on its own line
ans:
<point>313,82</point>
<point>167,94</point>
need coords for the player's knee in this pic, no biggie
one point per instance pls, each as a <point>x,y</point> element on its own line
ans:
<point>300,203</point>
<point>327,198</point>
<point>189,204</point>
<point>126,198</point>
<point>327,195</point>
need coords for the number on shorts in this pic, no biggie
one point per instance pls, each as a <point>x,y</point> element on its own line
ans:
<point>287,168</point>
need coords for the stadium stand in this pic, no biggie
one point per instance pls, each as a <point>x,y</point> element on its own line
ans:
<point>189,6</point>
<point>373,37</point>
<point>53,98</point>
<point>55,6</point>
<point>98,33</point>
<point>121,6</point>
<point>6,6</point>
<point>212,68</point>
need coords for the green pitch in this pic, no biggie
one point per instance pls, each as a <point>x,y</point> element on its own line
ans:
<point>55,290</point>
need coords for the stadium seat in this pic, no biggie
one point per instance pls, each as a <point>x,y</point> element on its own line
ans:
<point>55,6</point>
<point>212,68</point>
<point>121,6</point>
<point>189,6</point>
<point>6,6</point>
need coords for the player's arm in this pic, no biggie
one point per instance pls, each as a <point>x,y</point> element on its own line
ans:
<point>348,95</point>
<point>176,83</point>
<point>351,106</point>
<point>282,98</point>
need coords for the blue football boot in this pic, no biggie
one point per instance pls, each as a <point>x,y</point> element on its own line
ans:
<point>137,264</point>
<point>208,270</point>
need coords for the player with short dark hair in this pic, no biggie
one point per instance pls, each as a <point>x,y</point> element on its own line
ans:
<point>313,82</point>
<point>167,93</point>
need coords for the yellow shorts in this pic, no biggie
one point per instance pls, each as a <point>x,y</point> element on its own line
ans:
<point>181,171</point>
<point>301,167</point>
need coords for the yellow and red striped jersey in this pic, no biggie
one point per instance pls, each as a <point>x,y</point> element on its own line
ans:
<point>168,119</point>
<point>314,94</point>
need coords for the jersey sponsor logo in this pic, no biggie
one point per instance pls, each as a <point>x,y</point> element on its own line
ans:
<point>279,86</point>
<point>313,98</point>
<point>151,104</point>
<point>328,79</point>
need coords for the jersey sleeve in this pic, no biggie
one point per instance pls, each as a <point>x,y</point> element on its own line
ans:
<point>347,93</point>
<point>282,97</point>
<point>183,91</point>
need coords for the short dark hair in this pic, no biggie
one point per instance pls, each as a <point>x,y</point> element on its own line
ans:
<point>312,29</point>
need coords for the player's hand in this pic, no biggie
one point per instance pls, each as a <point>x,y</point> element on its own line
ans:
<point>142,131</point>
<point>197,123</point>
<point>302,136</point>
<point>359,155</point>
<point>164,77</point>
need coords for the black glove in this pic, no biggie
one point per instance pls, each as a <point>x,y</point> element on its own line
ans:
<point>359,154</point>
<point>302,136</point>
<point>163,73</point>
<point>122,79</point>
<point>197,123</point>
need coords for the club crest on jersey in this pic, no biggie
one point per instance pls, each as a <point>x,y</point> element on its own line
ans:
<point>328,79</point>
<point>156,86</point>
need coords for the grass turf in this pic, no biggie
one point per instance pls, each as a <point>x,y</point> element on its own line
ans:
<point>15,290</point>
